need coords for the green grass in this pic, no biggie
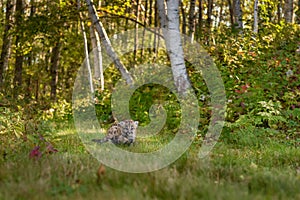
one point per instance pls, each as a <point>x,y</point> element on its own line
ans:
<point>270,170</point>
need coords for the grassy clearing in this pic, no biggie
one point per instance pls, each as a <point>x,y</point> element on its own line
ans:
<point>270,170</point>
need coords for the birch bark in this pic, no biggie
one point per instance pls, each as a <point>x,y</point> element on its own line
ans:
<point>106,43</point>
<point>98,67</point>
<point>255,16</point>
<point>174,43</point>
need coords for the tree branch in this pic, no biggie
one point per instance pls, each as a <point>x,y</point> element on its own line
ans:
<point>130,19</point>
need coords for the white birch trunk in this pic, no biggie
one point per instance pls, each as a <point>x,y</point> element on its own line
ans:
<point>86,50</point>
<point>99,53</point>
<point>174,47</point>
<point>98,67</point>
<point>255,16</point>
<point>95,57</point>
<point>106,43</point>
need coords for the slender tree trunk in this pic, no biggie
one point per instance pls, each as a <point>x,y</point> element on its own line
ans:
<point>136,36</point>
<point>106,43</point>
<point>209,14</point>
<point>18,69</point>
<point>37,84</point>
<point>151,21</point>
<point>86,54</point>
<point>238,15</point>
<point>156,38</point>
<point>209,21</point>
<point>95,57</point>
<point>289,11</point>
<point>98,67</point>
<point>231,13</point>
<point>127,12</point>
<point>150,12</point>
<point>6,46</point>
<point>29,58</point>
<point>144,30</point>
<point>54,69</point>
<point>162,13</point>
<point>192,19</point>
<point>183,27</point>
<point>86,49</point>
<point>99,56</point>
<point>19,49</point>
<point>298,13</point>
<point>279,6</point>
<point>28,81</point>
<point>200,20</point>
<point>255,17</point>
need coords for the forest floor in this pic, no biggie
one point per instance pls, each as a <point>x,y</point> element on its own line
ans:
<point>268,169</point>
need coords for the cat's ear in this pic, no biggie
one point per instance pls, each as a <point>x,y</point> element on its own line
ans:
<point>136,123</point>
<point>121,123</point>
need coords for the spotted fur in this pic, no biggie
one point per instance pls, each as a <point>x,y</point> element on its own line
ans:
<point>123,132</point>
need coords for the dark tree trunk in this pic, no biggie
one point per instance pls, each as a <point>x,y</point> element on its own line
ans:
<point>200,20</point>
<point>54,69</point>
<point>18,69</point>
<point>289,11</point>
<point>150,12</point>
<point>192,19</point>
<point>298,13</point>
<point>231,13</point>
<point>29,57</point>
<point>209,14</point>
<point>19,50</point>
<point>209,21</point>
<point>6,46</point>
<point>183,23</point>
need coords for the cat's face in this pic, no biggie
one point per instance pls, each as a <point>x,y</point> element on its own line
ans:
<point>128,129</point>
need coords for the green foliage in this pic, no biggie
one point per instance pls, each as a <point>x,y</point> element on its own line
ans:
<point>12,126</point>
<point>60,110</point>
<point>261,77</point>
